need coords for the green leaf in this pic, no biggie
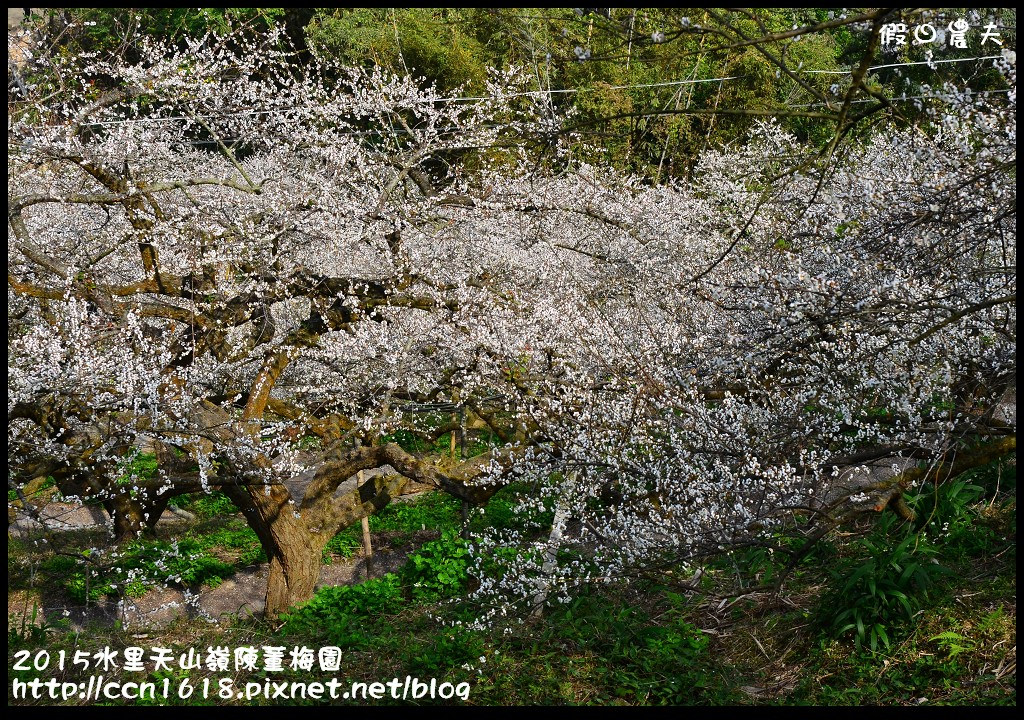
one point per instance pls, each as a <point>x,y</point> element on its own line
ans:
<point>906,604</point>
<point>882,634</point>
<point>868,567</point>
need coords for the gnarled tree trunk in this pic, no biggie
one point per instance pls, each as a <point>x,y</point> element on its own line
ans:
<point>293,551</point>
<point>294,536</point>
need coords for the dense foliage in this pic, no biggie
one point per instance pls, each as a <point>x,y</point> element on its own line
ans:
<point>648,89</point>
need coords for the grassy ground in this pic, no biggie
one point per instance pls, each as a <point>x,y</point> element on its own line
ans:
<point>880,612</point>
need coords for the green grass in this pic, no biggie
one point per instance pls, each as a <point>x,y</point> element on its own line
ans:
<point>957,645</point>
<point>35,489</point>
<point>475,443</point>
<point>133,568</point>
<point>205,505</point>
<point>398,523</point>
<point>430,511</point>
<point>603,647</point>
<point>138,465</point>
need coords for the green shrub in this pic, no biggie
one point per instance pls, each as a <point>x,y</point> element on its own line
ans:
<point>431,511</point>
<point>344,544</point>
<point>500,512</point>
<point>882,588</point>
<point>438,570</point>
<point>667,667</point>
<point>503,512</point>
<point>236,535</point>
<point>953,513</point>
<point>949,503</point>
<point>640,661</point>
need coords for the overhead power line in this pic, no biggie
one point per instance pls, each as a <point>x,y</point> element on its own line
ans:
<point>540,93</point>
<point>905,64</point>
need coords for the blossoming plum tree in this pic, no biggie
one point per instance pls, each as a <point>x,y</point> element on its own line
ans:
<point>209,249</point>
